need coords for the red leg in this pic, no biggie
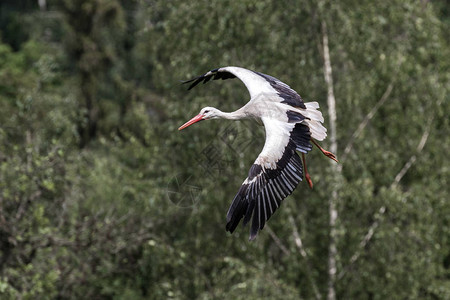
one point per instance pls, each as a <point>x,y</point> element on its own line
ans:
<point>308,179</point>
<point>325,152</point>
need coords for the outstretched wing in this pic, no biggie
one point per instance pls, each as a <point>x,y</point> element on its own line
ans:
<point>273,176</point>
<point>255,82</point>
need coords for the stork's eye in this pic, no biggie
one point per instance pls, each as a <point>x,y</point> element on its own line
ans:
<point>206,111</point>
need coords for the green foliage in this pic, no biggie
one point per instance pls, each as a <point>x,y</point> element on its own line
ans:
<point>102,198</point>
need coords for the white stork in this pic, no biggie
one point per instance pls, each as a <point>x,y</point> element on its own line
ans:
<point>290,126</point>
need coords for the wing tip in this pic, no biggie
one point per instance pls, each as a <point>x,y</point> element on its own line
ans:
<point>253,231</point>
<point>228,227</point>
<point>193,80</point>
<point>215,74</point>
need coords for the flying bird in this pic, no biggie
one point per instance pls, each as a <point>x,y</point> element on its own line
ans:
<point>290,125</point>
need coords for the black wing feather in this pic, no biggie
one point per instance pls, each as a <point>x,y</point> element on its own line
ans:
<point>289,96</point>
<point>262,192</point>
<point>213,74</point>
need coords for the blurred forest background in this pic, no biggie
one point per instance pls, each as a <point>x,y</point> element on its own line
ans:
<point>102,198</point>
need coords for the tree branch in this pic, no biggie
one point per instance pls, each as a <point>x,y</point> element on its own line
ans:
<point>299,244</point>
<point>277,241</point>
<point>368,236</point>
<point>413,158</point>
<point>366,121</point>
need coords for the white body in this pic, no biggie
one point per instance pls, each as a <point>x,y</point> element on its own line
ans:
<point>290,125</point>
<point>266,105</point>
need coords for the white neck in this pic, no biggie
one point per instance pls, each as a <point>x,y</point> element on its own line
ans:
<point>235,115</point>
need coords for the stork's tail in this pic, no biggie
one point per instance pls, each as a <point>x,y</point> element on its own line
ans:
<point>318,131</point>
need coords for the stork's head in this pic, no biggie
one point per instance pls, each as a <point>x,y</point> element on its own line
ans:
<point>206,113</point>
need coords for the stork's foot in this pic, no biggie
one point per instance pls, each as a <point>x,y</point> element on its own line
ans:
<point>330,155</point>
<point>325,152</point>
<point>308,180</point>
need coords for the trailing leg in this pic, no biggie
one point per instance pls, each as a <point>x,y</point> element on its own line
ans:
<point>325,152</point>
<point>308,179</point>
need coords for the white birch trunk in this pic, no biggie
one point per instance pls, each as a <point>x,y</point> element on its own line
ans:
<point>332,207</point>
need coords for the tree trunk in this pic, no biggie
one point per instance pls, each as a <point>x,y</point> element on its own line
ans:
<point>332,207</point>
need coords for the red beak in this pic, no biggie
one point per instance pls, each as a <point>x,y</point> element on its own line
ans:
<point>195,119</point>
